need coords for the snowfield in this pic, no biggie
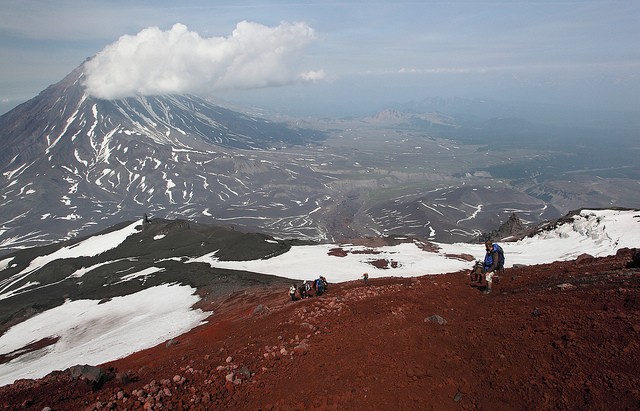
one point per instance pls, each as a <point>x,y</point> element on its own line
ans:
<point>87,332</point>
<point>595,232</point>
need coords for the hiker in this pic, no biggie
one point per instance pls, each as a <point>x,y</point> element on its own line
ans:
<point>493,261</point>
<point>318,285</point>
<point>292,293</point>
<point>304,289</point>
<point>365,278</point>
<point>325,283</point>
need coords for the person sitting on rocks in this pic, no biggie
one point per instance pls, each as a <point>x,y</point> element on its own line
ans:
<point>493,262</point>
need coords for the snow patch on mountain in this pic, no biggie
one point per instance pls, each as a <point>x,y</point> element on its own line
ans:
<point>91,332</point>
<point>87,248</point>
<point>595,232</point>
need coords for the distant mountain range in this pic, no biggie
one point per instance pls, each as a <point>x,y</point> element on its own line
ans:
<point>72,164</point>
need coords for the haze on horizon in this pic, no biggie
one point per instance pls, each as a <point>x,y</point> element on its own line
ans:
<point>334,58</point>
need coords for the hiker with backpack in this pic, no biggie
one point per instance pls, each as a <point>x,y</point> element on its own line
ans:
<point>318,286</point>
<point>493,262</point>
<point>325,283</point>
<point>304,290</point>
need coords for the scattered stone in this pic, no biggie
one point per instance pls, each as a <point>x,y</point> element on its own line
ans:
<point>123,378</point>
<point>171,342</point>
<point>416,372</point>
<point>457,397</point>
<point>436,319</point>
<point>583,258</point>
<point>88,373</point>
<point>635,259</point>
<point>536,312</point>
<point>244,372</point>
<point>229,359</point>
<point>566,286</point>
<point>301,348</point>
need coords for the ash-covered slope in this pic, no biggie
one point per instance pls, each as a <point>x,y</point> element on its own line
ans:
<point>70,161</point>
<point>553,336</point>
<point>86,287</point>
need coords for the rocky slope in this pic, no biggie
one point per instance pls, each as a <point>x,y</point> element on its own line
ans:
<point>554,336</point>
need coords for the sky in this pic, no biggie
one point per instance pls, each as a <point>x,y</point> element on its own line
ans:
<point>91,332</point>
<point>332,57</point>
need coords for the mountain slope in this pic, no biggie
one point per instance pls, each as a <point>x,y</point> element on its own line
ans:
<point>72,162</point>
<point>94,286</point>
<point>553,336</point>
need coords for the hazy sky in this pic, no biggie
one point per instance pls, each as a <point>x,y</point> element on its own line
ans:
<point>328,58</point>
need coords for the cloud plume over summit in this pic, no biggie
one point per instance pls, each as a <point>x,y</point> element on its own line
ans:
<point>156,62</point>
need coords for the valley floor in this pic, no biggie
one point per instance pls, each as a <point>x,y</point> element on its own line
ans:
<point>555,336</point>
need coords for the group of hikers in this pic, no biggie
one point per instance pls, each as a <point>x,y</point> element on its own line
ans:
<point>481,275</point>
<point>492,264</point>
<point>303,291</point>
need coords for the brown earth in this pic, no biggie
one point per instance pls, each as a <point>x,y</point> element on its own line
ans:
<point>562,336</point>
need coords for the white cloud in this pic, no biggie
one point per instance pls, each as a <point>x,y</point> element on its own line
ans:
<point>313,75</point>
<point>156,62</point>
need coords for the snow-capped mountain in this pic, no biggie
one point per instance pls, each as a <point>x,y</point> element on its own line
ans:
<point>70,161</point>
<point>88,290</point>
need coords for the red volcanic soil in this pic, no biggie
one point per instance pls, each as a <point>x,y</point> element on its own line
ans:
<point>562,336</point>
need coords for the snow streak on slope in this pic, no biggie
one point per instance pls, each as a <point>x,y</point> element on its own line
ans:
<point>92,246</point>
